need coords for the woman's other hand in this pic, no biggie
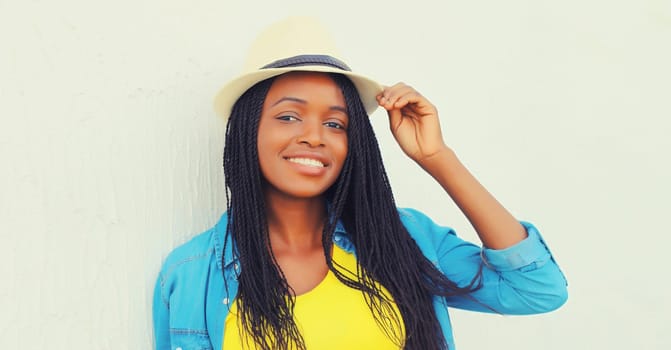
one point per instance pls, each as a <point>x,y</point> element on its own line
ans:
<point>413,121</point>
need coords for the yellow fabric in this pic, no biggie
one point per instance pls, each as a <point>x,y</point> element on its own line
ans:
<point>330,316</point>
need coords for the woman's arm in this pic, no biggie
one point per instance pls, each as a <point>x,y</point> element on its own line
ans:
<point>415,125</point>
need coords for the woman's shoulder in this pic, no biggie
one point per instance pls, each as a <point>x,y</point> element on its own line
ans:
<point>415,219</point>
<point>422,228</point>
<point>198,250</point>
<point>200,246</point>
<point>412,215</point>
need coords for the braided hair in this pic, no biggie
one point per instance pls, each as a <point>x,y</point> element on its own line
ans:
<point>361,197</point>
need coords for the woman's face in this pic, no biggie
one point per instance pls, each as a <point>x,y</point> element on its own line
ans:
<point>302,137</point>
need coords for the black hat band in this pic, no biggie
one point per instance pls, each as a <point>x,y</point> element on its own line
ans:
<point>308,60</point>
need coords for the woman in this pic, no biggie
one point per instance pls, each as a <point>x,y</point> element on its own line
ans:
<point>313,253</point>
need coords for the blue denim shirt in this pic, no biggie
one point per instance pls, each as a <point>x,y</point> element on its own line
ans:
<point>191,301</point>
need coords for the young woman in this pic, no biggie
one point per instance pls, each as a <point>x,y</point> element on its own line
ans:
<point>313,253</point>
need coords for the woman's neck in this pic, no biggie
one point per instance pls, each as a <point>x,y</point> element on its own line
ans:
<point>295,224</point>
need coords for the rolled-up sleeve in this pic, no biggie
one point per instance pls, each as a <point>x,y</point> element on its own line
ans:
<point>528,254</point>
<point>521,279</point>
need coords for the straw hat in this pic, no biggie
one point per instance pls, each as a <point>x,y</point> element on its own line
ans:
<point>293,44</point>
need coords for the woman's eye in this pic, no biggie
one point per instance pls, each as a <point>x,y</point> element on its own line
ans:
<point>288,118</point>
<point>335,125</point>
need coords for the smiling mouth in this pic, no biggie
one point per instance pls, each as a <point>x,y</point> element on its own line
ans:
<point>307,161</point>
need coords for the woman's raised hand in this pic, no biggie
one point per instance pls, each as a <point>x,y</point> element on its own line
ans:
<point>413,121</point>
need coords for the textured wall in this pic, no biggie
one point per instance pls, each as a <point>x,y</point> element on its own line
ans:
<point>111,151</point>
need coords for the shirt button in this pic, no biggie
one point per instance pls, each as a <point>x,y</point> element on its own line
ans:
<point>225,302</point>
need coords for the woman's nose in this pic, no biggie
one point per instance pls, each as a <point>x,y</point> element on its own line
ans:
<point>311,134</point>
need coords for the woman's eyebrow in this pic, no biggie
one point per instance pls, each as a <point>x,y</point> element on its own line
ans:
<point>338,108</point>
<point>288,98</point>
<point>301,101</point>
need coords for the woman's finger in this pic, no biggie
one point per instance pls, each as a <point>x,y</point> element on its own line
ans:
<point>410,97</point>
<point>391,96</point>
<point>396,90</point>
<point>395,120</point>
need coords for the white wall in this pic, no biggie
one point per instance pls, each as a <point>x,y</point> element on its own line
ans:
<point>111,152</point>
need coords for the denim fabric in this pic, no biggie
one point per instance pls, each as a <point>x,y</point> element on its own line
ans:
<point>191,300</point>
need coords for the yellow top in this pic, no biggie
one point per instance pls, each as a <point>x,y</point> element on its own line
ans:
<point>330,316</point>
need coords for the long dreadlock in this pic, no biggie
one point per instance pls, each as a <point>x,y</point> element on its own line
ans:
<point>387,256</point>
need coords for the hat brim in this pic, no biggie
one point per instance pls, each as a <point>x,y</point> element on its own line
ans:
<point>229,94</point>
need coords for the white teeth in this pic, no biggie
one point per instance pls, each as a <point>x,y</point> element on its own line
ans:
<point>307,161</point>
